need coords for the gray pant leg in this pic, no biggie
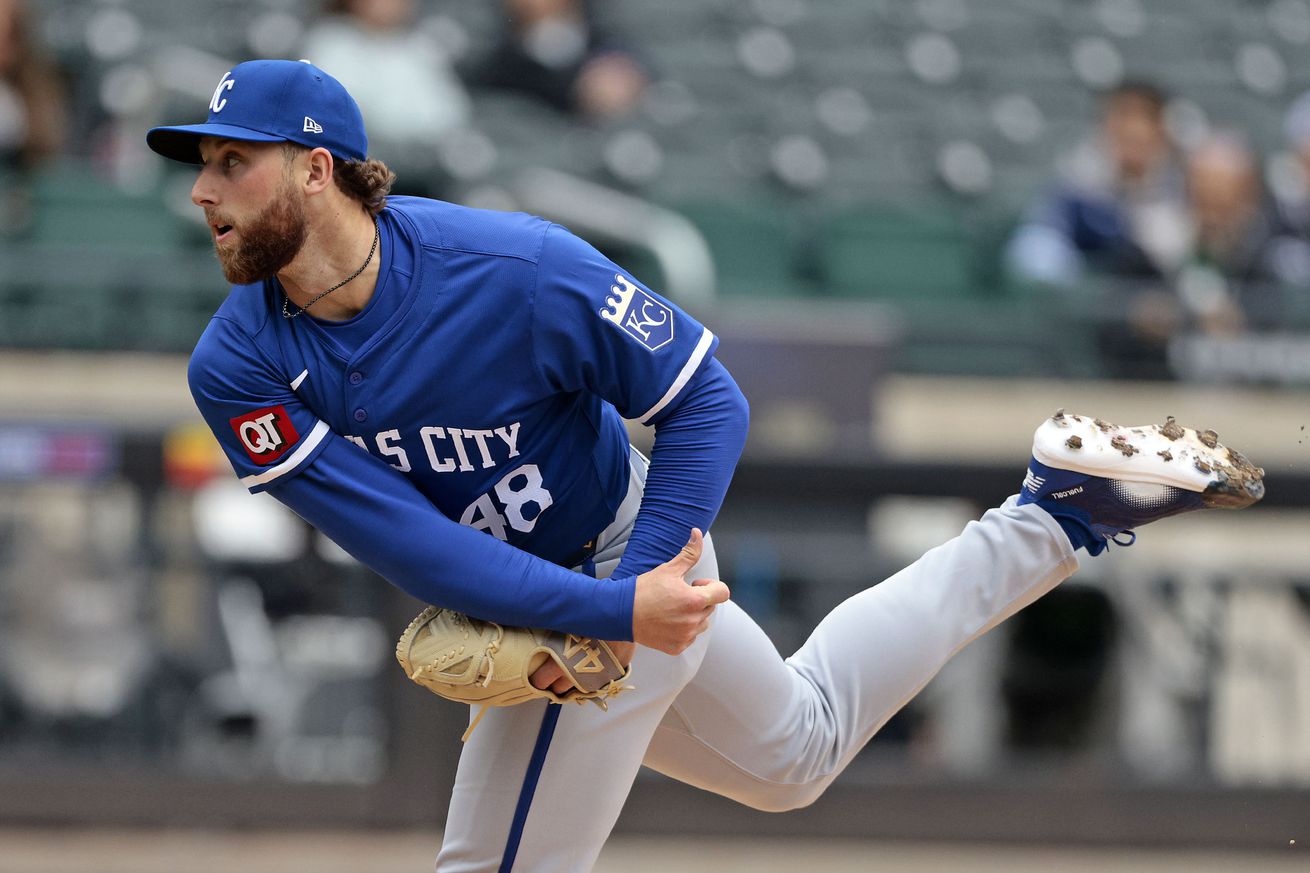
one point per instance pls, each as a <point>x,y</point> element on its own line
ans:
<point>585,775</point>
<point>774,734</point>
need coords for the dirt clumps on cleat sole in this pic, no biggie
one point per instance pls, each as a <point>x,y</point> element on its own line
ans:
<point>1163,454</point>
<point>1238,482</point>
<point>1122,444</point>
<point>1235,481</point>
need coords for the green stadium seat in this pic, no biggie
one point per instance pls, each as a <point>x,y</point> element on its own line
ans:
<point>877,252</point>
<point>753,244</point>
<point>938,266</point>
<point>97,267</point>
<point>74,206</point>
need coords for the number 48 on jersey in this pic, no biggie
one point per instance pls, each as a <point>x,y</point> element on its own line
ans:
<point>517,491</point>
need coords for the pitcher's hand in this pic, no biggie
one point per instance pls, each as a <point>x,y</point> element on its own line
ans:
<point>667,613</point>
<point>551,675</point>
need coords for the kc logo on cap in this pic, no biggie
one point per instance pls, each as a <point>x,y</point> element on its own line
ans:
<point>218,101</point>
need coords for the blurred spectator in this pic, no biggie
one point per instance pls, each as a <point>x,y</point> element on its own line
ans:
<point>557,51</point>
<point>1155,245</point>
<point>1119,206</point>
<point>1238,265</point>
<point>32,114</point>
<point>1294,199</point>
<point>1237,239</point>
<point>411,97</point>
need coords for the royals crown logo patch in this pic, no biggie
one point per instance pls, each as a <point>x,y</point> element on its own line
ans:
<point>641,316</point>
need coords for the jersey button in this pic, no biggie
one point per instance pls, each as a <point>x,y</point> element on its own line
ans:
<point>360,415</point>
<point>356,377</point>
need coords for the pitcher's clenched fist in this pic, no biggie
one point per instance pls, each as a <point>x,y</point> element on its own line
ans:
<point>667,613</point>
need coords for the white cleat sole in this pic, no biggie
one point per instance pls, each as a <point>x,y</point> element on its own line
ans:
<point>1167,454</point>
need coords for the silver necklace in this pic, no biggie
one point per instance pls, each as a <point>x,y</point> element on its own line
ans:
<point>287,313</point>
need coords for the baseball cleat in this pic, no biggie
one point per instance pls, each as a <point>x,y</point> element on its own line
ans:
<point>1115,479</point>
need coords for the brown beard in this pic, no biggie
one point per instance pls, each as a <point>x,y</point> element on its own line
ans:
<point>268,242</point>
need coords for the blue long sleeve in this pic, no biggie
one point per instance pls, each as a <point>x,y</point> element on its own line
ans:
<point>395,531</point>
<point>376,515</point>
<point>697,444</point>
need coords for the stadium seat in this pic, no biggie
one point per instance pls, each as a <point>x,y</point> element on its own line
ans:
<point>100,267</point>
<point>753,244</point>
<point>875,252</point>
<point>72,205</point>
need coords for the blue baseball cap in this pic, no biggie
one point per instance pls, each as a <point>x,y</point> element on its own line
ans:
<point>273,101</point>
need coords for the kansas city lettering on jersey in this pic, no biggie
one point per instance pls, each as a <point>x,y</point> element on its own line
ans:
<point>448,449</point>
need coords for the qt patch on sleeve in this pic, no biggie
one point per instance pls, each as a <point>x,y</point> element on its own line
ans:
<point>265,434</point>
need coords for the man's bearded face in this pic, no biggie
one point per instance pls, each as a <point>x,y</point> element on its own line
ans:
<point>261,246</point>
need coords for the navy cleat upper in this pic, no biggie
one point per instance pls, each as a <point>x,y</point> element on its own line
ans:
<point>1108,507</point>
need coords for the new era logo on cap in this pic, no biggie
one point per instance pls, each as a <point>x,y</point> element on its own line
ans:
<point>273,101</point>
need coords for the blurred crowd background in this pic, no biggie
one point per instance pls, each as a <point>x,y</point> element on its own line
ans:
<point>914,222</point>
<point>1135,172</point>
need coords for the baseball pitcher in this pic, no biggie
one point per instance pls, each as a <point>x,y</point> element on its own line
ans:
<point>441,391</point>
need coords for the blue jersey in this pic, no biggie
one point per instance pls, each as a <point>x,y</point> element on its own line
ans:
<point>491,368</point>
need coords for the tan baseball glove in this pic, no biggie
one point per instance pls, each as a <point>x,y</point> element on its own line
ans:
<point>480,662</point>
